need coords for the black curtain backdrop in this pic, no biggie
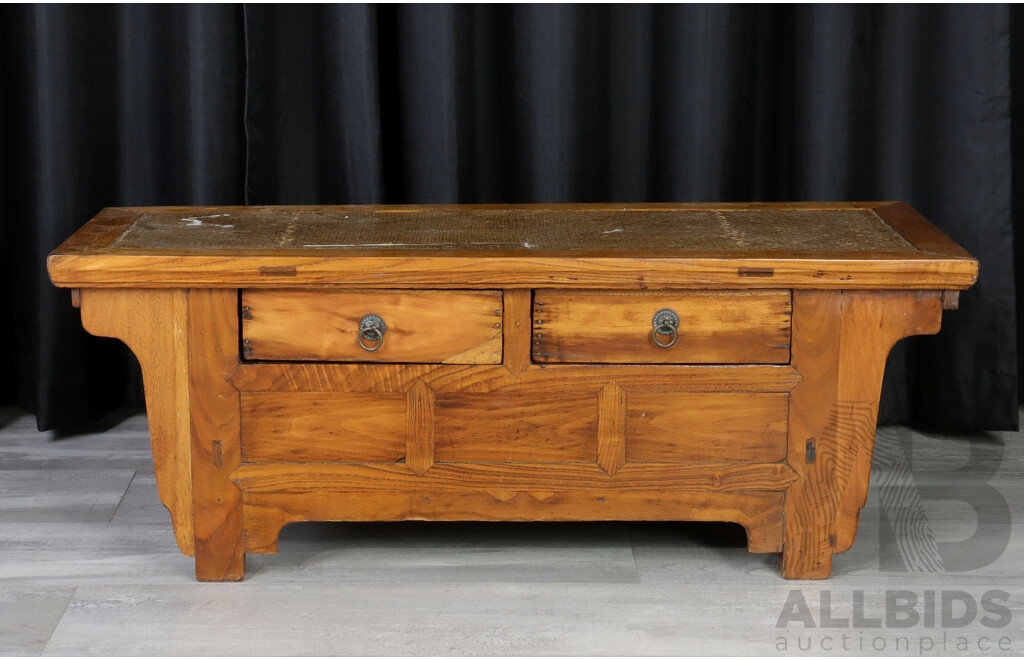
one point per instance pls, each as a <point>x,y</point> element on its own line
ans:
<point>148,105</point>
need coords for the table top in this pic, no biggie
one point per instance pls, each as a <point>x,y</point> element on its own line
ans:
<point>824,245</point>
<point>517,230</point>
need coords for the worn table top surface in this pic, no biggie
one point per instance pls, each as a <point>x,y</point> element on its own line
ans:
<point>518,230</point>
<point>161,239</point>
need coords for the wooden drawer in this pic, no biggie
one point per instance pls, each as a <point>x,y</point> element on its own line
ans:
<point>724,327</point>
<point>422,326</point>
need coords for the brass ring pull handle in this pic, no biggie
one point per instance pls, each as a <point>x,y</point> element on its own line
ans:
<point>371,329</point>
<point>666,324</point>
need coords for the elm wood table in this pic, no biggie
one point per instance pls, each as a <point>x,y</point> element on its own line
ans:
<point>568,362</point>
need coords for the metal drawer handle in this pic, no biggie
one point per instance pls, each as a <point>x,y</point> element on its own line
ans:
<point>666,324</point>
<point>371,329</point>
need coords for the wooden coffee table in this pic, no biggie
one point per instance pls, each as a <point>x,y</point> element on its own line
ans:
<point>560,362</point>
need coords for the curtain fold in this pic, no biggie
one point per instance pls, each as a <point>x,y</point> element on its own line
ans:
<point>102,106</point>
<point>332,104</point>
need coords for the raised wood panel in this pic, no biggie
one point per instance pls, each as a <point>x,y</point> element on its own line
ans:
<point>679,428</point>
<point>722,327</point>
<point>318,427</point>
<point>453,327</point>
<point>760,513</point>
<point>527,427</point>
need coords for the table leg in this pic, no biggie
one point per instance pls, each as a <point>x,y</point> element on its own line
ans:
<point>216,438</point>
<point>840,343</point>
<point>153,323</point>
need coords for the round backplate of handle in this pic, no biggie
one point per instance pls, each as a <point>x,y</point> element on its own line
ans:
<point>371,329</point>
<point>666,324</point>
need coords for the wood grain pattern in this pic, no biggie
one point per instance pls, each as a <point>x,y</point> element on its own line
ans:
<point>611,428</point>
<point>698,428</point>
<point>844,340</point>
<point>518,303</point>
<point>521,427</point>
<point>725,327</point>
<point>760,513</point>
<point>100,257</point>
<point>420,428</point>
<point>499,478</point>
<point>317,427</point>
<point>454,327</point>
<point>513,426</point>
<point>153,324</point>
<point>101,232</point>
<point>581,270</point>
<point>810,506</point>
<point>480,379</point>
<point>920,233</point>
<point>216,434</point>
<point>872,324</point>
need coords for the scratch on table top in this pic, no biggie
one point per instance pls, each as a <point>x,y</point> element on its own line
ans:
<point>197,220</point>
<point>729,230</point>
<point>345,245</point>
<point>493,244</point>
<point>286,236</point>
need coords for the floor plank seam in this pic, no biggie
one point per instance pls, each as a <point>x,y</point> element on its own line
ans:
<point>632,553</point>
<point>113,514</point>
<point>71,597</point>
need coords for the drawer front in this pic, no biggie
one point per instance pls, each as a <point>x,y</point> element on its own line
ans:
<point>420,326</point>
<point>723,327</point>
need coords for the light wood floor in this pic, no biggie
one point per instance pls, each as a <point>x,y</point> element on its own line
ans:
<point>88,565</point>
